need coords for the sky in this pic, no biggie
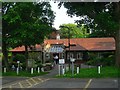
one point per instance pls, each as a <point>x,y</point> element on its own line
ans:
<point>61,16</point>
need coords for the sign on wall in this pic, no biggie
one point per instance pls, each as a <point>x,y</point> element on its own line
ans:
<point>61,61</point>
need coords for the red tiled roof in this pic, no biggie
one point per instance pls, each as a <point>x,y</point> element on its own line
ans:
<point>18,49</point>
<point>81,44</point>
<point>22,48</point>
<point>90,44</point>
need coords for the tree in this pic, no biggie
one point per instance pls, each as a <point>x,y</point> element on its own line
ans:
<point>75,32</point>
<point>103,17</point>
<point>27,23</point>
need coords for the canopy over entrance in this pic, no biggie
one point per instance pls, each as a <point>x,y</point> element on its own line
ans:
<point>55,49</point>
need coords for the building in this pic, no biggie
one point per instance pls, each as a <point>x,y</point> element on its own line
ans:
<point>79,47</point>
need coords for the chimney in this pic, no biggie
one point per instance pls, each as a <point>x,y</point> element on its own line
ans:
<point>58,37</point>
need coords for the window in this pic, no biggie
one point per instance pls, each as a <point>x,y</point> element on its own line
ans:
<point>71,55</point>
<point>47,55</point>
<point>67,55</point>
<point>79,56</point>
<point>62,55</point>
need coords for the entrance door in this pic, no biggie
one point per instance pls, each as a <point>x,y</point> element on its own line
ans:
<point>56,57</point>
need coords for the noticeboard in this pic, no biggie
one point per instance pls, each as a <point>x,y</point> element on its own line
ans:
<point>61,61</point>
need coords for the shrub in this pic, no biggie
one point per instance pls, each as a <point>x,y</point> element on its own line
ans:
<point>39,64</point>
<point>21,58</point>
<point>107,61</point>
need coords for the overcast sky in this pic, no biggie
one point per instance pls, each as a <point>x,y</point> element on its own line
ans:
<point>61,16</point>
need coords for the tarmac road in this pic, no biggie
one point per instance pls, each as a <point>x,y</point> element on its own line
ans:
<point>7,80</point>
<point>79,83</point>
<point>38,83</point>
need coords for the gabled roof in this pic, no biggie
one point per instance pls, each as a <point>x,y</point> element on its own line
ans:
<point>90,44</point>
<point>79,44</point>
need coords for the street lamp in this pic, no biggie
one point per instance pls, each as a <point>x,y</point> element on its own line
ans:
<point>68,40</point>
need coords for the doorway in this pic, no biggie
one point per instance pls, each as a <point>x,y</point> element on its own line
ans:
<point>56,57</point>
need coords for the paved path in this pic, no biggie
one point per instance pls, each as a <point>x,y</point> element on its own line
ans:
<point>55,71</point>
<point>52,73</point>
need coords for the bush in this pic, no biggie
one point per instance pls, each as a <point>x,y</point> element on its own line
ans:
<point>108,61</point>
<point>36,56</point>
<point>21,58</point>
<point>39,64</point>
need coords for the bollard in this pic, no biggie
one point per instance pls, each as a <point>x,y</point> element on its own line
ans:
<point>4,70</point>
<point>31,70</point>
<point>38,69</point>
<point>63,71</point>
<point>59,70</point>
<point>72,69</point>
<point>98,69</point>
<point>67,68</point>
<point>42,69</point>
<point>77,70</point>
<point>17,70</point>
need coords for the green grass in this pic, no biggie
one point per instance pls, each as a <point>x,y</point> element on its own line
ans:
<point>0,73</point>
<point>106,72</point>
<point>23,74</point>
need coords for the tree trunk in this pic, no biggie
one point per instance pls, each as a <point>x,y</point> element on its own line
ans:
<point>118,36</point>
<point>26,55</point>
<point>5,54</point>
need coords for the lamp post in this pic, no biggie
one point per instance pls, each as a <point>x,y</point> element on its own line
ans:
<point>68,41</point>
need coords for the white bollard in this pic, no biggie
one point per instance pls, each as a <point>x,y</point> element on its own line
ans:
<point>42,69</point>
<point>31,70</point>
<point>63,71</point>
<point>38,69</point>
<point>67,68</point>
<point>98,69</point>
<point>4,70</point>
<point>77,70</point>
<point>59,70</point>
<point>17,70</point>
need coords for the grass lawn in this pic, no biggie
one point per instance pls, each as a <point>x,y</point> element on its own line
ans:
<point>23,73</point>
<point>0,73</point>
<point>106,72</point>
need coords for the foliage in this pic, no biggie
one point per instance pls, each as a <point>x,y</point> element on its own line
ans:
<point>36,57</point>
<point>25,24</point>
<point>21,58</point>
<point>105,60</point>
<point>103,20</point>
<point>73,30</point>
